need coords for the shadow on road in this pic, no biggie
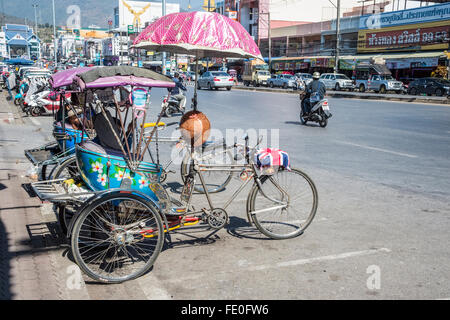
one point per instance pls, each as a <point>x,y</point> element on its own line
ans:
<point>5,258</point>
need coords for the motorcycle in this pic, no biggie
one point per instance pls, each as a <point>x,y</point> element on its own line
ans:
<point>173,106</point>
<point>19,98</point>
<point>42,101</point>
<point>320,111</point>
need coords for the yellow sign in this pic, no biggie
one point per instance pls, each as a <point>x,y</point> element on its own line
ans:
<point>136,15</point>
<point>424,36</point>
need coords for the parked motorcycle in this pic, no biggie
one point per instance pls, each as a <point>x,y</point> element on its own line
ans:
<point>173,106</point>
<point>19,98</point>
<point>320,111</point>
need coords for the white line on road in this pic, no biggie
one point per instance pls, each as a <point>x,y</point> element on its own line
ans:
<point>11,118</point>
<point>318,259</point>
<point>378,149</point>
<point>291,263</point>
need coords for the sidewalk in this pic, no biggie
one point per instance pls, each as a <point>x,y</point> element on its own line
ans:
<point>356,95</point>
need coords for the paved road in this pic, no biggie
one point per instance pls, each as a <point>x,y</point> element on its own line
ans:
<point>381,231</point>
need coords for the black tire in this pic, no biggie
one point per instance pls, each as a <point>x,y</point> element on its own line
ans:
<point>362,88</point>
<point>65,214</point>
<point>302,119</point>
<point>271,84</point>
<point>265,222</point>
<point>198,86</point>
<point>224,177</point>
<point>383,89</point>
<point>413,91</point>
<point>284,85</point>
<point>121,222</point>
<point>35,111</point>
<point>323,123</point>
<point>17,101</point>
<point>169,112</point>
<point>337,87</point>
<point>210,86</point>
<point>228,88</point>
<point>439,92</point>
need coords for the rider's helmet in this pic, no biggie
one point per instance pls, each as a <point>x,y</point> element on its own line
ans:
<point>316,75</point>
<point>176,75</point>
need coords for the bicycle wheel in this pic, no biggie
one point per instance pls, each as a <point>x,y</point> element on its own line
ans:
<point>67,169</point>
<point>285,205</point>
<point>215,181</point>
<point>117,237</point>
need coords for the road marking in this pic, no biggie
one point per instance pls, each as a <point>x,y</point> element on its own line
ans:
<point>292,263</point>
<point>11,117</point>
<point>35,122</point>
<point>318,259</point>
<point>378,149</point>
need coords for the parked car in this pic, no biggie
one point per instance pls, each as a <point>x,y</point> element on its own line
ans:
<point>337,81</point>
<point>430,86</point>
<point>216,80</point>
<point>191,76</point>
<point>384,83</point>
<point>283,80</point>
<point>305,77</point>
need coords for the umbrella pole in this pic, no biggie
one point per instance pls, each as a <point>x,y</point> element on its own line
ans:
<point>195,84</point>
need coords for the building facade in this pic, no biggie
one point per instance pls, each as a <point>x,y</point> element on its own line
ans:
<point>21,42</point>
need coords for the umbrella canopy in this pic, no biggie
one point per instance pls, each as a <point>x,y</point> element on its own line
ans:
<point>20,61</point>
<point>198,33</point>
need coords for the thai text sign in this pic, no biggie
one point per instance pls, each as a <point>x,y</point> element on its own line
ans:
<point>439,12</point>
<point>427,36</point>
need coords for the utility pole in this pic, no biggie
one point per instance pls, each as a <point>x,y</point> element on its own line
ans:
<point>163,62</point>
<point>338,20</point>
<point>54,33</point>
<point>35,19</point>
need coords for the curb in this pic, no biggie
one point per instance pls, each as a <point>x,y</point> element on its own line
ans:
<point>349,95</point>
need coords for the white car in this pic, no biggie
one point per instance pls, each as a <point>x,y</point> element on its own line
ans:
<point>215,80</point>
<point>337,81</point>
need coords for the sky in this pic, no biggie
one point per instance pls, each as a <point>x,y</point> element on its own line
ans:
<point>318,10</point>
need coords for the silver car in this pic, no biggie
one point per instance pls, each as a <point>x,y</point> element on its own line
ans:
<point>216,80</point>
<point>337,81</point>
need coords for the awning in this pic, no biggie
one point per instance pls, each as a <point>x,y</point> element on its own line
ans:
<point>430,54</point>
<point>18,42</point>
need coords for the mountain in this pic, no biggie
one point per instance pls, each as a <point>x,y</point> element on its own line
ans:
<point>95,12</point>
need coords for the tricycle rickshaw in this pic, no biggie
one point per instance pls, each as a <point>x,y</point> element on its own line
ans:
<point>121,211</point>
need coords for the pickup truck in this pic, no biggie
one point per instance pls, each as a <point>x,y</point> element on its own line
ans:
<point>380,83</point>
<point>283,80</point>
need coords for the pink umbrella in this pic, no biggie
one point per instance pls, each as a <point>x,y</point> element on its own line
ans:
<point>198,33</point>
<point>203,34</point>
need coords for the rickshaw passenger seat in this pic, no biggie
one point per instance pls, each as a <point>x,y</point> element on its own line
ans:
<point>95,147</point>
<point>105,136</point>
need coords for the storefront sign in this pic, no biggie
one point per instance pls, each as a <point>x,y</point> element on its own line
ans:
<point>439,12</point>
<point>412,63</point>
<point>429,36</point>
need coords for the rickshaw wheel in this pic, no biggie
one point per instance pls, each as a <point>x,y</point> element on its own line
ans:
<point>117,237</point>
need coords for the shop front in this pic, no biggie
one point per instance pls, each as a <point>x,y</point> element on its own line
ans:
<point>303,64</point>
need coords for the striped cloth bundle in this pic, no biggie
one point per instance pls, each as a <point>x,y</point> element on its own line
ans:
<point>271,157</point>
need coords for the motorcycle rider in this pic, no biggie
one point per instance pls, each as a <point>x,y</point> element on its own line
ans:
<point>314,86</point>
<point>176,92</point>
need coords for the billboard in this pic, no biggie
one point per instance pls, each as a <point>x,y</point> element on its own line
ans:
<point>439,12</point>
<point>424,36</point>
<point>139,12</point>
<point>424,28</point>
